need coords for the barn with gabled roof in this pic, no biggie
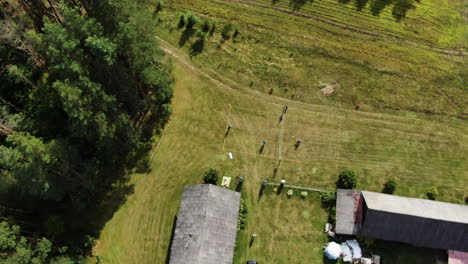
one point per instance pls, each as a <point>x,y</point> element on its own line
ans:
<point>206,226</point>
<point>419,222</point>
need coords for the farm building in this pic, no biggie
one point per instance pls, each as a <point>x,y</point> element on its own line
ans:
<point>419,222</point>
<point>206,226</point>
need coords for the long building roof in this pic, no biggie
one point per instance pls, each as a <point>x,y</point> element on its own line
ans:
<point>419,222</point>
<point>416,207</point>
<point>206,226</point>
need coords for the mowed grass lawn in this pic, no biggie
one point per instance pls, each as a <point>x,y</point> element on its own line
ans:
<point>375,61</point>
<point>418,151</point>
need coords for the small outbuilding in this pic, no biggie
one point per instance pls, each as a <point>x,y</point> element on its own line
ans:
<point>420,222</point>
<point>206,226</point>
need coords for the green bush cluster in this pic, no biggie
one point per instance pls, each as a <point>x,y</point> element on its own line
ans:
<point>226,31</point>
<point>347,180</point>
<point>188,20</point>
<point>211,176</point>
<point>191,20</point>
<point>432,193</point>
<point>332,215</point>
<point>206,26</point>
<point>389,187</point>
<point>329,202</point>
<point>242,221</point>
<point>328,198</point>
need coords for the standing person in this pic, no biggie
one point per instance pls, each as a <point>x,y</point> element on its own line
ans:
<point>252,238</point>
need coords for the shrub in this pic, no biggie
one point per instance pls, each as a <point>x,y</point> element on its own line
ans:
<point>199,45</point>
<point>211,176</point>
<point>347,180</point>
<point>304,194</point>
<point>290,192</point>
<point>200,35</point>
<point>332,215</point>
<point>191,20</point>
<point>242,221</point>
<point>328,198</point>
<point>432,193</point>
<point>226,31</point>
<point>206,26</point>
<point>389,187</point>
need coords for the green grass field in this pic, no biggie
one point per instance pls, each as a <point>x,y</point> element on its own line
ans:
<point>418,151</point>
<point>399,71</point>
<point>377,61</point>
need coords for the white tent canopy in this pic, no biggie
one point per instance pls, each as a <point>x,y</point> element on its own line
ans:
<point>332,251</point>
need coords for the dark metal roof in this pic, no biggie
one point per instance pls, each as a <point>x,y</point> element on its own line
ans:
<point>415,230</point>
<point>206,226</point>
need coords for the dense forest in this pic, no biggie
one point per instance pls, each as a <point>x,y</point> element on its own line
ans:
<point>83,88</point>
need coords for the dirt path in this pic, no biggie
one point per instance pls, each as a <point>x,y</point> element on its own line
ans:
<point>224,82</point>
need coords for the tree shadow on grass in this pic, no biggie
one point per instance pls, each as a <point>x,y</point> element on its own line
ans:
<point>239,186</point>
<point>110,202</point>
<point>399,10</point>
<point>296,5</point>
<point>197,48</point>
<point>73,227</point>
<point>168,255</point>
<point>186,34</point>
<point>377,6</point>
<point>360,4</point>
<point>401,7</point>
<point>261,149</point>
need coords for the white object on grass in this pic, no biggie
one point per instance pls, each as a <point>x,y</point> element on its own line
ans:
<point>230,155</point>
<point>332,251</point>
<point>226,181</point>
